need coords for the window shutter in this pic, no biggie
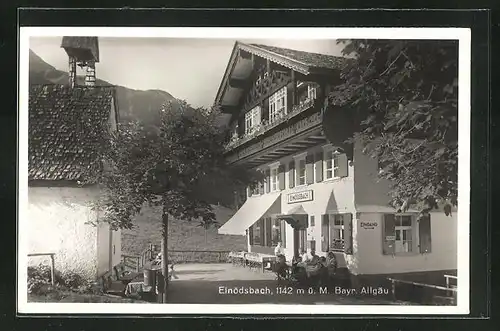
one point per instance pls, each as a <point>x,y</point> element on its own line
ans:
<point>343,167</point>
<point>291,174</point>
<point>325,233</point>
<point>262,233</point>
<point>283,233</point>
<point>281,177</point>
<point>289,97</point>
<point>348,233</point>
<point>268,181</point>
<point>310,169</point>
<point>269,232</point>
<point>250,234</point>
<point>424,229</point>
<point>319,167</point>
<point>261,188</point>
<point>265,111</point>
<point>389,231</point>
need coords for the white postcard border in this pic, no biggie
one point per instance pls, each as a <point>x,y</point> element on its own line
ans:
<point>461,34</point>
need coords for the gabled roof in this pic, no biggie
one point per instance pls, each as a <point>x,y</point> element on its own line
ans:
<point>300,61</point>
<point>306,59</point>
<point>67,128</point>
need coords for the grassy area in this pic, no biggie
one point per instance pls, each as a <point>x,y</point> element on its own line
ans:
<point>183,235</point>
<point>64,295</point>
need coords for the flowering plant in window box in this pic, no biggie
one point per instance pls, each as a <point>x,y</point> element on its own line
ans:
<point>337,245</point>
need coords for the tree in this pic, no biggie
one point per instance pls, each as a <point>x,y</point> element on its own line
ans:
<point>407,94</point>
<point>207,223</point>
<point>165,166</point>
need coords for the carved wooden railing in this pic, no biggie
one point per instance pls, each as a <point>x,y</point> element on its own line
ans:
<point>266,126</point>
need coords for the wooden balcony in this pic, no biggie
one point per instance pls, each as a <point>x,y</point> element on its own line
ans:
<point>266,126</point>
<point>280,138</point>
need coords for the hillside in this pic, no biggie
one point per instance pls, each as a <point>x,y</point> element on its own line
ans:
<point>144,106</point>
<point>133,104</point>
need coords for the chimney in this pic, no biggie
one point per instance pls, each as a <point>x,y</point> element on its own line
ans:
<point>90,76</point>
<point>72,71</point>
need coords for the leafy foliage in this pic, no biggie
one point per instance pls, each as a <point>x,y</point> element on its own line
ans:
<point>407,93</point>
<point>167,166</point>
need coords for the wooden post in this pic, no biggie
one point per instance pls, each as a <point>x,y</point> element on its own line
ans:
<point>138,266</point>
<point>294,89</point>
<point>164,253</point>
<point>52,263</point>
<point>393,289</point>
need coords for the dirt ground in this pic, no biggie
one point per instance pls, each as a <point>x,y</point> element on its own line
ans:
<point>216,284</point>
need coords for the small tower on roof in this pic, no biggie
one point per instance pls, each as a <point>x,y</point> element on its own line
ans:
<point>84,52</point>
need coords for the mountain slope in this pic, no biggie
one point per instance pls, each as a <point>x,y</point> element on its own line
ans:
<point>133,104</point>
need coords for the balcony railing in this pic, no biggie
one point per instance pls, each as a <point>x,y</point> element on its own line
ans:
<point>268,125</point>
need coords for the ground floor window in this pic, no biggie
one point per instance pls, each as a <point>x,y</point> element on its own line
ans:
<point>279,232</point>
<point>268,232</point>
<point>336,233</point>
<point>405,233</point>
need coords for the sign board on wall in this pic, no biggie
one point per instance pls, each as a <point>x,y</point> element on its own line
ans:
<point>389,238</point>
<point>300,196</point>
<point>368,225</point>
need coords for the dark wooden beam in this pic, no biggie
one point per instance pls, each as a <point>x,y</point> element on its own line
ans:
<point>245,54</point>
<point>238,83</point>
<point>229,109</point>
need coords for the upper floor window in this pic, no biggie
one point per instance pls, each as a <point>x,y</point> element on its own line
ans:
<point>311,91</point>
<point>301,172</point>
<point>274,179</point>
<point>252,119</point>
<point>277,105</point>
<point>332,165</point>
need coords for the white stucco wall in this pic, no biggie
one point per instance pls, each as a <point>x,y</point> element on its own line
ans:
<point>103,248</point>
<point>366,198</point>
<point>443,255</point>
<point>116,247</point>
<point>58,219</point>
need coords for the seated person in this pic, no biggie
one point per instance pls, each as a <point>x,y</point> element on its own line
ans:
<point>331,263</point>
<point>313,265</point>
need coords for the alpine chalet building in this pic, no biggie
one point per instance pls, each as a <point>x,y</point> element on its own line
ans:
<point>317,194</point>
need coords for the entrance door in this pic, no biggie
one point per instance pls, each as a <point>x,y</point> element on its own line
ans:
<point>299,241</point>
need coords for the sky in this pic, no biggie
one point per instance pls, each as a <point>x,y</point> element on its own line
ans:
<point>189,69</point>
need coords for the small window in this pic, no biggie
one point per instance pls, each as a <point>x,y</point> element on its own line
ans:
<point>252,119</point>
<point>332,164</point>
<point>274,179</point>
<point>301,172</point>
<point>277,105</point>
<point>311,220</point>
<point>311,91</point>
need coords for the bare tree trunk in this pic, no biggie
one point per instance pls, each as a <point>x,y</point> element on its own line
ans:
<point>164,251</point>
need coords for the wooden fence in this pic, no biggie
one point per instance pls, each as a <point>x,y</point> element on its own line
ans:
<point>137,262</point>
<point>450,291</point>
<point>52,264</point>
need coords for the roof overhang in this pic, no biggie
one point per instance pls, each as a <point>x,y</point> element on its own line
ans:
<point>240,67</point>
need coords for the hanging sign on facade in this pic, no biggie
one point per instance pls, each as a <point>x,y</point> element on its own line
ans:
<point>300,196</point>
<point>368,225</point>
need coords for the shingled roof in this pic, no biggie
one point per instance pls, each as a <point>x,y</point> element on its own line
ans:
<point>67,128</point>
<point>314,60</point>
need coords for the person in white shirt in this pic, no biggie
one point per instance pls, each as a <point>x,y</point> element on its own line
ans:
<point>278,250</point>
